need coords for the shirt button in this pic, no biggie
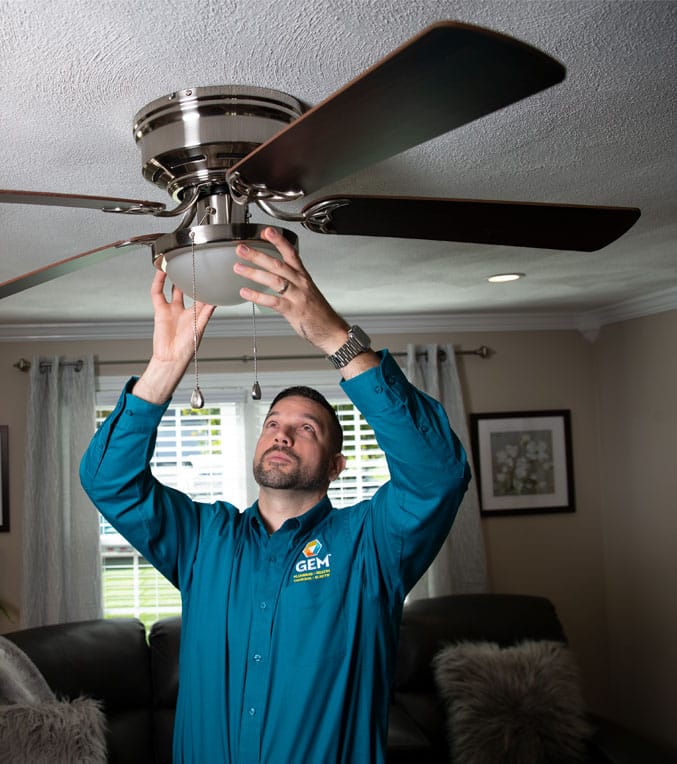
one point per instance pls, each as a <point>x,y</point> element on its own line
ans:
<point>252,711</point>
<point>262,605</point>
<point>378,389</point>
<point>257,658</point>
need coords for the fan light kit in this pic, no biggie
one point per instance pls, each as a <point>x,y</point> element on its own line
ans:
<point>218,150</point>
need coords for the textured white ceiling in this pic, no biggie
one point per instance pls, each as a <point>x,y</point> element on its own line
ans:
<point>73,73</point>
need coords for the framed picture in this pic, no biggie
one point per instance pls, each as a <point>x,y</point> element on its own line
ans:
<point>4,478</point>
<point>523,462</point>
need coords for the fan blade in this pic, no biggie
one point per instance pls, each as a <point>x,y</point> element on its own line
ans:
<point>448,75</point>
<point>516,224</point>
<point>104,203</point>
<point>71,264</point>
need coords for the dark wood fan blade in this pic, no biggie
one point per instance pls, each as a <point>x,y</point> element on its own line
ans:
<point>71,264</point>
<point>517,224</point>
<point>105,203</point>
<point>448,75</point>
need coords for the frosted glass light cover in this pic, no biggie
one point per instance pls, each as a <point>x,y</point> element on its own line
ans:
<point>215,282</point>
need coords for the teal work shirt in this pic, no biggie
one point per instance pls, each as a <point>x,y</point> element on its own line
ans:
<point>289,640</point>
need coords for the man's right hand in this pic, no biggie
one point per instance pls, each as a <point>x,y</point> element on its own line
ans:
<point>175,332</point>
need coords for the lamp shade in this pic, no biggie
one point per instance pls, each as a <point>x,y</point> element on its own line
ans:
<point>215,282</point>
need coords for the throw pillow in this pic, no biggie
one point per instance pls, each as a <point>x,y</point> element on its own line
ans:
<point>20,680</point>
<point>53,732</point>
<point>514,705</point>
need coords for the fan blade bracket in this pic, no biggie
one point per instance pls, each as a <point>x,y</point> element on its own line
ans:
<point>318,216</point>
<point>142,208</point>
<point>244,192</point>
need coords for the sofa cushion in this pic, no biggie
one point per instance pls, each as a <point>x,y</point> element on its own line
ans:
<point>517,705</point>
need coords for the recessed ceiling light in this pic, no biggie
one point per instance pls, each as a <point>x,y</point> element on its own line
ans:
<point>499,278</point>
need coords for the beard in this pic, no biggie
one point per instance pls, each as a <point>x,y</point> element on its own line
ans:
<point>288,476</point>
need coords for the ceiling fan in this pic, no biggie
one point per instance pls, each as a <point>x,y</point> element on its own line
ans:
<point>218,150</point>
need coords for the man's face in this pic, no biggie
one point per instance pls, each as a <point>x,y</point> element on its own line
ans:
<point>294,448</point>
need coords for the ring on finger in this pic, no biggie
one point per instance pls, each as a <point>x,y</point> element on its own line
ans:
<point>284,287</point>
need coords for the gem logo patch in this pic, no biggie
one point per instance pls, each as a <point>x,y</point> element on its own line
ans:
<point>312,548</point>
<point>312,567</point>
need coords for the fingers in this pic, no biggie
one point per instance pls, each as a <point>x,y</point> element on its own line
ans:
<point>204,313</point>
<point>287,250</point>
<point>274,274</point>
<point>157,294</point>
<point>294,295</point>
<point>157,291</point>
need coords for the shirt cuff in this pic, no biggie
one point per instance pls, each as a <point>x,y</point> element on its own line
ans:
<point>376,389</point>
<point>131,405</point>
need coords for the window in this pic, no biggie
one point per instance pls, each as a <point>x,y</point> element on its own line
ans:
<point>207,454</point>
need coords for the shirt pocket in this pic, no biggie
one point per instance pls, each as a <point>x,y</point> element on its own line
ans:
<point>311,623</point>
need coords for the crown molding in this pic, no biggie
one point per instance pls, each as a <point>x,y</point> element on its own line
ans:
<point>277,327</point>
<point>587,322</point>
<point>637,307</point>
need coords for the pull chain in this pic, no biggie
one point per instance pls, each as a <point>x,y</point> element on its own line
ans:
<point>197,400</point>
<point>256,387</point>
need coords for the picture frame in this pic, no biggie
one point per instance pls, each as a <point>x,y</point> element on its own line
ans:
<point>4,478</point>
<point>523,462</point>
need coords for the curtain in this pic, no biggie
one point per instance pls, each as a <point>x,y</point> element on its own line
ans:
<point>460,567</point>
<point>62,567</point>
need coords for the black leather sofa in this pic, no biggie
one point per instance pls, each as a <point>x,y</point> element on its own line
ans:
<point>137,678</point>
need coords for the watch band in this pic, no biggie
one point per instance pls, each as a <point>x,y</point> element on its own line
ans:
<point>358,342</point>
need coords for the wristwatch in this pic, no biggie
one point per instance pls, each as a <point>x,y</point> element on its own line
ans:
<point>358,342</point>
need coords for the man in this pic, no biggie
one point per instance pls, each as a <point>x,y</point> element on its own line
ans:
<point>291,609</point>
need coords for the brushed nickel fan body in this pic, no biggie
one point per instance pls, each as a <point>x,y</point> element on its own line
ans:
<point>193,137</point>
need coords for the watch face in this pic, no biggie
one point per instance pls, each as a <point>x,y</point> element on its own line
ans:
<point>361,336</point>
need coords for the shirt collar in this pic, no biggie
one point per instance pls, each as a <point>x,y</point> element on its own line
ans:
<point>298,526</point>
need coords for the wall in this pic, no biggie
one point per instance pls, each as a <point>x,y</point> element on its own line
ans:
<point>554,555</point>
<point>636,370</point>
<point>577,559</point>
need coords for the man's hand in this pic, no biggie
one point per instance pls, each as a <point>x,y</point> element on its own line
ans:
<point>173,341</point>
<point>298,299</point>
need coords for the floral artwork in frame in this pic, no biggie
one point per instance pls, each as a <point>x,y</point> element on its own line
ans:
<point>4,478</point>
<point>523,462</point>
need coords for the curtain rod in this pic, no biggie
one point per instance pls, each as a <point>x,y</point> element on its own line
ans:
<point>24,365</point>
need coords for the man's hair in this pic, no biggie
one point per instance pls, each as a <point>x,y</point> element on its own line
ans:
<point>301,391</point>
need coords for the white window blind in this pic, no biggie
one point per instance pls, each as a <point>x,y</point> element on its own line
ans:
<point>207,455</point>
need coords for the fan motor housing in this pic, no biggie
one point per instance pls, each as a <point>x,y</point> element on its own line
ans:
<point>193,137</point>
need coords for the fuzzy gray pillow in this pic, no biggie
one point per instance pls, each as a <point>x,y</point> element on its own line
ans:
<point>53,732</point>
<point>514,705</point>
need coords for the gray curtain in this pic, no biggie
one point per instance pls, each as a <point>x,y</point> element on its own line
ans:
<point>460,567</point>
<point>62,565</point>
